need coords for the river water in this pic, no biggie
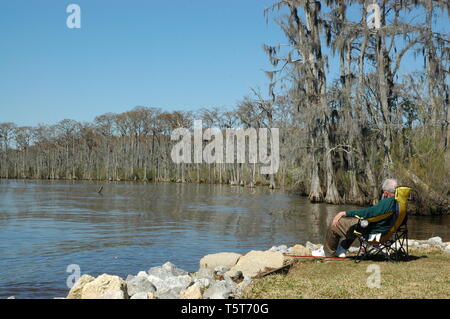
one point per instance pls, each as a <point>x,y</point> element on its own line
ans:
<point>46,226</point>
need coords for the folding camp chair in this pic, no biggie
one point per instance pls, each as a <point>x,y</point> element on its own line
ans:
<point>392,245</point>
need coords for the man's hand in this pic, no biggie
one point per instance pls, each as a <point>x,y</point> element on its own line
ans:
<point>336,218</point>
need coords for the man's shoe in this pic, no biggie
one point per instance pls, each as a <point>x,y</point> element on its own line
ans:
<point>320,253</point>
<point>341,252</point>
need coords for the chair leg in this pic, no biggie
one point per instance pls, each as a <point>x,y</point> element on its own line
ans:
<point>362,248</point>
<point>401,251</point>
<point>407,247</point>
<point>395,249</point>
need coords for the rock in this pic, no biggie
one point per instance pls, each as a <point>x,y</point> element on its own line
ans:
<point>220,259</point>
<point>75,291</point>
<point>179,281</point>
<point>241,287</point>
<point>195,291</point>
<point>447,249</point>
<point>140,284</point>
<point>158,283</point>
<point>203,273</point>
<point>104,285</point>
<point>435,240</point>
<point>297,250</point>
<point>312,246</point>
<point>281,249</point>
<point>165,271</point>
<point>129,277</point>
<point>412,243</point>
<point>301,250</point>
<point>170,284</point>
<point>230,283</point>
<point>255,262</point>
<point>158,272</point>
<point>219,290</point>
<point>219,272</point>
<point>167,295</point>
<point>203,282</point>
<point>423,245</point>
<point>171,268</point>
<point>140,295</point>
<point>151,295</point>
<point>235,275</point>
<point>142,273</point>
<point>221,269</point>
<point>168,280</point>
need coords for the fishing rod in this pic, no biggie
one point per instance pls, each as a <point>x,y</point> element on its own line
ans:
<point>320,257</point>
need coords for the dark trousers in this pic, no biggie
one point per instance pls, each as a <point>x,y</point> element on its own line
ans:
<point>342,231</point>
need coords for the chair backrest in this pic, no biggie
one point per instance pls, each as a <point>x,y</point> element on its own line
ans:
<point>401,197</point>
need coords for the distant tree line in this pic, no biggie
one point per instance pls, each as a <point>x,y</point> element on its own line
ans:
<point>339,137</point>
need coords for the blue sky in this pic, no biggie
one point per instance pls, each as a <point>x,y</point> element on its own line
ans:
<point>176,54</point>
<point>169,54</point>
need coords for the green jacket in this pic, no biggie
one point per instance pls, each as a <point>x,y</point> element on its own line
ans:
<point>384,206</point>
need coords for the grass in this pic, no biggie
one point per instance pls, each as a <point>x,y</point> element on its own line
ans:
<point>427,276</point>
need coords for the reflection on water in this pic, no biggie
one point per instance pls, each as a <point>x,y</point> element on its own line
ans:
<point>46,226</point>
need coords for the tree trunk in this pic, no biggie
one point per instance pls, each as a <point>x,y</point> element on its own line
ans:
<point>332,196</point>
<point>315,191</point>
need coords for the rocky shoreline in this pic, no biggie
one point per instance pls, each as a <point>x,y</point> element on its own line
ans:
<point>222,275</point>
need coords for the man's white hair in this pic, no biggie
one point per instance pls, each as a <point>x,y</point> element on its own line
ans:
<point>389,185</point>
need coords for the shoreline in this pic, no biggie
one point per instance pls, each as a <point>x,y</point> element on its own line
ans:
<point>223,275</point>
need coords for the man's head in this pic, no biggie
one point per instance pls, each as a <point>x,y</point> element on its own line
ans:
<point>388,187</point>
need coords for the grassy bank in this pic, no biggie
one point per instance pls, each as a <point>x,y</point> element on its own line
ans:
<point>427,275</point>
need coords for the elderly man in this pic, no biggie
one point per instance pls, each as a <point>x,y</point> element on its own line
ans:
<point>345,223</point>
